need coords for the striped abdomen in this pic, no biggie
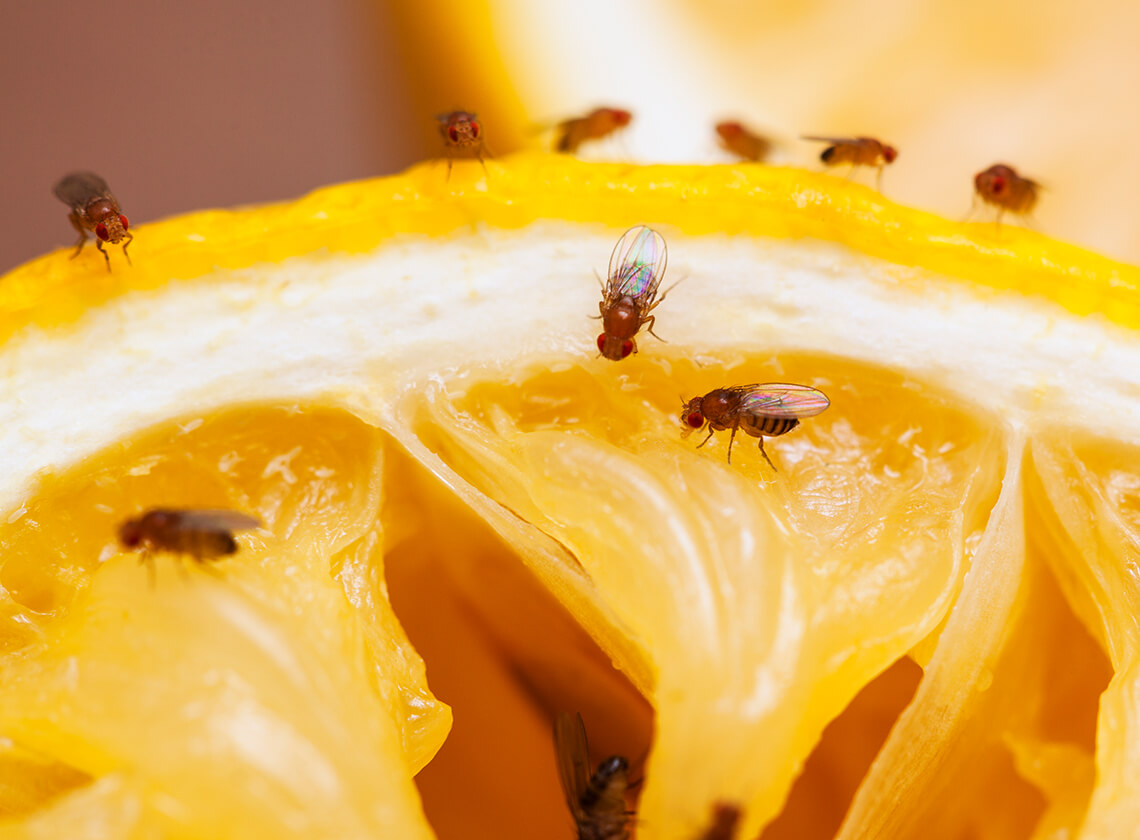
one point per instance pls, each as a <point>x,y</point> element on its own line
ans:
<point>762,424</point>
<point>207,545</point>
<point>602,813</point>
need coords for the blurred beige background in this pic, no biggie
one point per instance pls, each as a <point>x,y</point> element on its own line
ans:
<point>190,105</point>
<point>957,85</point>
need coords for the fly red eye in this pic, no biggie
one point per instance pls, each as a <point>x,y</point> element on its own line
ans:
<point>474,129</point>
<point>626,347</point>
<point>890,153</point>
<point>601,343</point>
<point>453,133</point>
<point>999,184</point>
<point>696,420</point>
<point>123,221</point>
<point>101,231</point>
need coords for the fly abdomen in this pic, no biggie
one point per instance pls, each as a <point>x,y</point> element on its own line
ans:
<point>769,426</point>
<point>206,545</point>
<point>602,803</point>
<point>607,784</point>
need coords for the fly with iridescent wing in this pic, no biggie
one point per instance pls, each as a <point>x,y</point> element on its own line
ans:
<point>637,266</point>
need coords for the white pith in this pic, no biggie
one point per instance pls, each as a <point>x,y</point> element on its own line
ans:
<point>358,331</point>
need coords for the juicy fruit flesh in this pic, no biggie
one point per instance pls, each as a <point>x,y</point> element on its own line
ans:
<point>770,598</point>
<point>280,695</point>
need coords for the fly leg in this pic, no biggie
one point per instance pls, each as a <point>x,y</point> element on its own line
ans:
<point>973,209</point>
<point>649,328</point>
<point>665,294</point>
<point>103,251</point>
<point>766,458</point>
<point>130,239</point>
<point>211,569</point>
<point>707,439</point>
<point>146,558</point>
<point>75,223</point>
<point>879,179</point>
<point>731,438</point>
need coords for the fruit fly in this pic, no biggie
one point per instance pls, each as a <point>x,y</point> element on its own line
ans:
<point>725,820</point>
<point>857,151</point>
<point>597,799</point>
<point>1001,186</point>
<point>745,144</point>
<point>462,135</point>
<point>768,410</point>
<point>201,534</point>
<point>95,209</point>
<point>599,123</point>
<point>636,268</point>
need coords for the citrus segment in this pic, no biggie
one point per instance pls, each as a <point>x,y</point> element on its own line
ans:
<point>803,591</point>
<point>108,809</point>
<point>1015,678</point>
<point>1093,487</point>
<point>27,781</point>
<point>292,678</point>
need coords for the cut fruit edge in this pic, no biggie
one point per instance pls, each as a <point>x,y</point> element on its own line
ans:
<point>391,326</point>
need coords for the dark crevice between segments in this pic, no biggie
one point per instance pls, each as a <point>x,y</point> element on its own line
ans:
<point>507,657</point>
<point>821,795</point>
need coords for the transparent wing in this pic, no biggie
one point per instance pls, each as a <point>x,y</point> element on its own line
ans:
<point>834,141</point>
<point>214,520</point>
<point>637,265</point>
<point>79,188</point>
<point>573,759</point>
<point>780,399</point>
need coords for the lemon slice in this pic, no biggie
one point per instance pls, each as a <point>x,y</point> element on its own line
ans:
<point>400,380</point>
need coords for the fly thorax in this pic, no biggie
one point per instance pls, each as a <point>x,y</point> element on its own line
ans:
<point>719,408</point>
<point>621,320</point>
<point>102,210</point>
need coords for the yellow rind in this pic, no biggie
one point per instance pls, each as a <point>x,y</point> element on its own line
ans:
<point>750,200</point>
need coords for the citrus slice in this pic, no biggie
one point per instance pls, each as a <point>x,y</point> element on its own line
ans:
<point>905,631</point>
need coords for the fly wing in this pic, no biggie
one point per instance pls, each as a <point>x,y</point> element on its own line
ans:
<point>218,520</point>
<point>573,759</point>
<point>79,188</point>
<point>834,141</point>
<point>637,265</point>
<point>780,399</point>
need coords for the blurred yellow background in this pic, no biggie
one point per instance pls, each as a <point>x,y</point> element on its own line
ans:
<point>212,104</point>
